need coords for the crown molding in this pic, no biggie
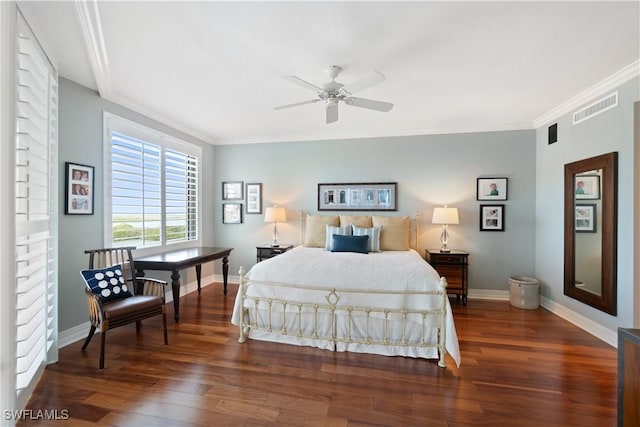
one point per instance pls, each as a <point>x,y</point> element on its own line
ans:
<point>613,81</point>
<point>144,111</point>
<point>367,135</point>
<point>90,24</point>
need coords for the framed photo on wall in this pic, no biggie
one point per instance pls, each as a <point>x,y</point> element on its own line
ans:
<point>586,218</point>
<point>491,189</point>
<point>491,217</point>
<point>79,189</point>
<point>587,187</point>
<point>373,196</point>
<point>232,213</point>
<point>254,198</point>
<point>232,190</point>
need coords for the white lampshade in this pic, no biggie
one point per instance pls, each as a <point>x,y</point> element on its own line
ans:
<point>275,214</point>
<point>445,215</point>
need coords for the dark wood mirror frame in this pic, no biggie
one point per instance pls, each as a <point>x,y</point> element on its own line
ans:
<point>608,163</point>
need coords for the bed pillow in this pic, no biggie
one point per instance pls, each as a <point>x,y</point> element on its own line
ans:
<point>374,237</point>
<point>359,221</point>
<point>331,230</point>
<point>107,282</point>
<point>356,244</point>
<point>315,229</point>
<point>394,233</point>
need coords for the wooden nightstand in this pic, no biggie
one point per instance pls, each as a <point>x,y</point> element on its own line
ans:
<point>267,251</point>
<point>453,266</point>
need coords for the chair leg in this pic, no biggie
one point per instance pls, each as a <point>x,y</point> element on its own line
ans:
<point>164,325</point>
<point>88,339</point>
<point>103,335</point>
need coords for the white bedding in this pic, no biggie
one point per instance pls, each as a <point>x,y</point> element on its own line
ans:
<point>396,271</point>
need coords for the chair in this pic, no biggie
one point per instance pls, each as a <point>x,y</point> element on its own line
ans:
<point>147,299</point>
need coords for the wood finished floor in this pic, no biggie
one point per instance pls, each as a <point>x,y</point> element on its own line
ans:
<point>519,368</point>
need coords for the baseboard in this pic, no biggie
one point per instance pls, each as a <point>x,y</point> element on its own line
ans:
<point>491,294</point>
<point>588,325</point>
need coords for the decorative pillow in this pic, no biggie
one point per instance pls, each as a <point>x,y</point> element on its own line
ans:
<point>107,282</point>
<point>315,230</point>
<point>394,235</point>
<point>331,230</point>
<point>374,237</point>
<point>358,221</point>
<point>356,244</point>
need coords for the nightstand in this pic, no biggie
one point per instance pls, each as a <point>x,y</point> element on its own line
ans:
<point>267,251</point>
<point>453,266</point>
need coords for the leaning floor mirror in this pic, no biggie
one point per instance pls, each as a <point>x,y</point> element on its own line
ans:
<point>590,219</point>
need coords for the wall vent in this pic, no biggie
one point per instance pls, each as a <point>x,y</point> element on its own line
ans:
<point>600,106</point>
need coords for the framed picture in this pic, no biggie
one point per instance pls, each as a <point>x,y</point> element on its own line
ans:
<point>491,189</point>
<point>358,197</point>
<point>254,198</point>
<point>232,190</point>
<point>491,217</point>
<point>587,187</point>
<point>586,218</point>
<point>78,196</point>
<point>232,213</point>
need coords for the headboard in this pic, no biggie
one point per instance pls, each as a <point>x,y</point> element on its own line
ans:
<point>414,225</point>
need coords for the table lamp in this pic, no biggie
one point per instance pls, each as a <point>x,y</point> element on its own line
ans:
<point>275,215</point>
<point>445,216</point>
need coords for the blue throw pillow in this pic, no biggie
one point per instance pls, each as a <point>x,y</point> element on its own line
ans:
<point>350,244</point>
<point>374,236</point>
<point>107,282</point>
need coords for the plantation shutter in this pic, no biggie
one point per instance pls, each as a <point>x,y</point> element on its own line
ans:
<point>35,211</point>
<point>180,196</point>
<point>136,191</point>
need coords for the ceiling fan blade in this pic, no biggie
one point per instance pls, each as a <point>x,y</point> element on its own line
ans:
<point>296,104</point>
<point>298,81</point>
<point>369,80</point>
<point>332,112</point>
<point>369,103</point>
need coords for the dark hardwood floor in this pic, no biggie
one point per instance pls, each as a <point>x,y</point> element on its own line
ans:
<point>519,368</point>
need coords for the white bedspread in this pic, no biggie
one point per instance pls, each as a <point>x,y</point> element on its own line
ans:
<point>385,271</point>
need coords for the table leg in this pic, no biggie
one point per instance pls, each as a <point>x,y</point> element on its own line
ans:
<point>138,286</point>
<point>198,275</point>
<point>225,272</point>
<point>175,287</point>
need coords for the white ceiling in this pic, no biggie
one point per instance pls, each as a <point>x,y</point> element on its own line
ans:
<point>214,69</point>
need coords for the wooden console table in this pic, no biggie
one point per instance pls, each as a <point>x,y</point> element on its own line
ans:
<point>177,260</point>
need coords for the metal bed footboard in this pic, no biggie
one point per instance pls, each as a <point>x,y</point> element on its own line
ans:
<point>347,323</point>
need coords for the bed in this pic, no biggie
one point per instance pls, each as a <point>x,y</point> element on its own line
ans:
<point>387,301</point>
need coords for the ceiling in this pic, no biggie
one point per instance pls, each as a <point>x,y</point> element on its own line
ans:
<point>215,69</point>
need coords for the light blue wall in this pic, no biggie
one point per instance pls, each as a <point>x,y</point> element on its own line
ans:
<point>81,141</point>
<point>607,132</point>
<point>430,171</point>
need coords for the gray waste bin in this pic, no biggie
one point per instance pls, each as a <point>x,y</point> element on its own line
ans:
<point>524,292</point>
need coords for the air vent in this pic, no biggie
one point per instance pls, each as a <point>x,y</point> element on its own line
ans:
<point>600,106</point>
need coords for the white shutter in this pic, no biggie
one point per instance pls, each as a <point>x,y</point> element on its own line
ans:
<point>181,172</point>
<point>35,211</point>
<point>136,191</point>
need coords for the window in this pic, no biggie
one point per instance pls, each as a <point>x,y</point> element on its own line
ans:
<point>151,186</point>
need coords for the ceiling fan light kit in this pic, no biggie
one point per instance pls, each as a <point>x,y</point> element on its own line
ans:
<point>333,92</point>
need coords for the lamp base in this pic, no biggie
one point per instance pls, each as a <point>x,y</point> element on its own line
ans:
<point>445,250</point>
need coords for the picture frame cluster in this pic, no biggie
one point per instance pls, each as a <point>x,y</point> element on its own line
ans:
<point>234,193</point>
<point>492,216</point>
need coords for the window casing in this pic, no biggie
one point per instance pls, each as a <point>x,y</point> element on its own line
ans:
<point>152,187</point>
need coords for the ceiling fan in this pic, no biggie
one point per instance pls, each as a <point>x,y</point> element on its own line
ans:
<point>333,92</point>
